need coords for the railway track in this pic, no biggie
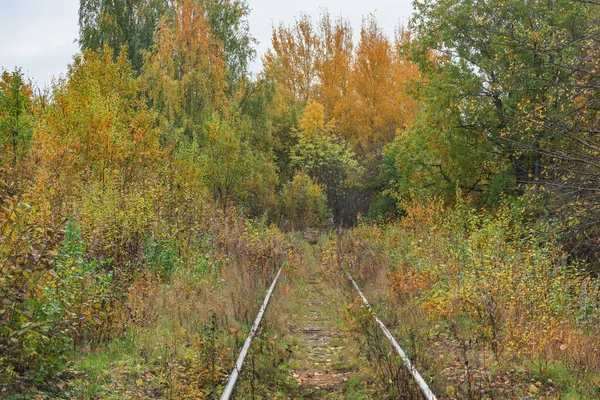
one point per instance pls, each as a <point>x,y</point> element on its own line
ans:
<point>317,335</point>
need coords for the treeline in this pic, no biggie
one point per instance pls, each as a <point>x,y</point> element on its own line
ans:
<point>357,96</point>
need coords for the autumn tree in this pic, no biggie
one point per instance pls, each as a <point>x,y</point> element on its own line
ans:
<point>97,125</point>
<point>333,64</point>
<point>327,159</point>
<point>372,86</point>
<point>292,61</point>
<point>378,105</point>
<point>405,77</point>
<point>291,68</point>
<point>306,62</point>
<point>230,169</point>
<point>133,23</point>
<point>435,156</point>
<point>302,202</point>
<point>364,90</point>
<point>185,73</point>
<point>228,20</point>
<point>194,76</point>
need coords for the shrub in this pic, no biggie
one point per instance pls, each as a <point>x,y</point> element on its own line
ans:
<point>49,303</point>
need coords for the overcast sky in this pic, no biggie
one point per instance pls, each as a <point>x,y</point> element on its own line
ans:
<point>39,35</point>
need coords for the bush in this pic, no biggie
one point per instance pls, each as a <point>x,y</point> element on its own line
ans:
<point>53,307</point>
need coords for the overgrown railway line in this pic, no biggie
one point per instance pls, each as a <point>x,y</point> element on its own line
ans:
<point>309,332</point>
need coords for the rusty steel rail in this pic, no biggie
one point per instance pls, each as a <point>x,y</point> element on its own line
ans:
<point>427,393</point>
<point>228,391</point>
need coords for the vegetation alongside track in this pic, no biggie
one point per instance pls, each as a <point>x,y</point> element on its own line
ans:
<point>485,303</point>
<point>149,195</point>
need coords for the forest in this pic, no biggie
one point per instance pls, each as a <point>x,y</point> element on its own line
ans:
<point>149,196</point>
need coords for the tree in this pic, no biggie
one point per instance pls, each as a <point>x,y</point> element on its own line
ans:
<point>436,155</point>
<point>116,23</point>
<point>228,20</point>
<point>16,121</point>
<point>302,202</point>
<point>184,75</point>
<point>328,160</point>
<point>378,105</point>
<point>292,62</point>
<point>97,125</point>
<point>231,169</point>
<point>134,23</point>
<point>364,91</point>
<point>372,87</point>
<point>334,64</point>
<point>525,87</point>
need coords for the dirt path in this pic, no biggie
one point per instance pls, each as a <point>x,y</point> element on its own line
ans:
<point>326,363</point>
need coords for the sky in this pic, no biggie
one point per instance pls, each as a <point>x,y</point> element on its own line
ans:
<point>39,36</point>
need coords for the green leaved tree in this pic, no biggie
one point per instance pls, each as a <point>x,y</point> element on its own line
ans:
<point>16,119</point>
<point>511,102</point>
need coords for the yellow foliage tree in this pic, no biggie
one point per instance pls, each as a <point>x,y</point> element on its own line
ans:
<point>334,64</point>
<point>292,61</point>
<point>96,125</point>
<point>185,74</point>
<point>378,105</point>
<point>365,90</point>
